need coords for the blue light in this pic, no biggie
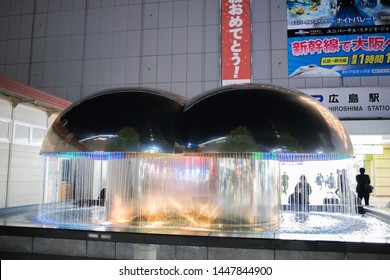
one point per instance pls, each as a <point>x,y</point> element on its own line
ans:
<point>89,155</point>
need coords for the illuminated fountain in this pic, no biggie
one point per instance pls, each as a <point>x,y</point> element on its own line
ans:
<point>211,162</point>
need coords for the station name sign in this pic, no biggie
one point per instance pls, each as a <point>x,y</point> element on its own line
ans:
<point>354,102</point>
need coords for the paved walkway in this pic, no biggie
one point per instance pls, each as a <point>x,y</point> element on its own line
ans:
<point>379,201</point>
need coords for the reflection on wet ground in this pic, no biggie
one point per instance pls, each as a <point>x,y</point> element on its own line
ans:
<point>298,225</point>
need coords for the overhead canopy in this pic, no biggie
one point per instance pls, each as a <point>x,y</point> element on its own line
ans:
<point>26,94</point>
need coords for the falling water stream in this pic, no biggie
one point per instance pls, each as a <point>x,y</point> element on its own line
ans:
<point>208,191</point>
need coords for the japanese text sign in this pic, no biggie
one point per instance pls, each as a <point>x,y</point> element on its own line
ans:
<point>354,103</point>
<point>236,46</point>
<point>331,38</point>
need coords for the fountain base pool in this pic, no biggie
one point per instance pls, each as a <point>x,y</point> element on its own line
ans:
<point>28,232</point>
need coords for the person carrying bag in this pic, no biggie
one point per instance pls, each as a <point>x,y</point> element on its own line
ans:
<point>363,187</point>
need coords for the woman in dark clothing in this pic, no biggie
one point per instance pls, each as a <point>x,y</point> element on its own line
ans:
<point>302,191</point>
<point>363,180</point>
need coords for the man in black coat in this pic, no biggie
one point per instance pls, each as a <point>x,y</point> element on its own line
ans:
<point>363,181</point>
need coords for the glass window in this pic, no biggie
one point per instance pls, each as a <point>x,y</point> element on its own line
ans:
<point>37,136</point>
<point>4,130</point>
<point>22,133</point>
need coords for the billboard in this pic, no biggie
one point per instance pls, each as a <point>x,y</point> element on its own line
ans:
<point>338,38</point>
<point>236,41</point>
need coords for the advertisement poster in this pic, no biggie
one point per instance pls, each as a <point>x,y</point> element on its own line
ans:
<point>338,38</point>
<point>236,42</point>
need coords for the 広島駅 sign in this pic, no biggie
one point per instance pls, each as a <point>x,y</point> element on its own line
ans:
<point>354,102</point>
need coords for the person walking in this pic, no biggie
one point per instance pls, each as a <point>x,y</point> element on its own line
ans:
<point>363,183</point>
<point>284,181</point>
<point>331,183</point>
<point>319,180</point>
<point>303,188</point>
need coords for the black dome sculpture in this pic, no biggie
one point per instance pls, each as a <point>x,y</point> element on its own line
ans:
<point>117,120</point>
<point>261,118</point>
<point>237,118</point>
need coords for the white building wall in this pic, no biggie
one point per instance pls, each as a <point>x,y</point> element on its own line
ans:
<point>26,176</point>
<point>21,166</point>
<point>5,125</point>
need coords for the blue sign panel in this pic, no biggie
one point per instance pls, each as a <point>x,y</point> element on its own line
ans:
<point>338,38</point>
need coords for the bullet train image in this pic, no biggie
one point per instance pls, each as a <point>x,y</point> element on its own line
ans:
<point>313,70</point>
